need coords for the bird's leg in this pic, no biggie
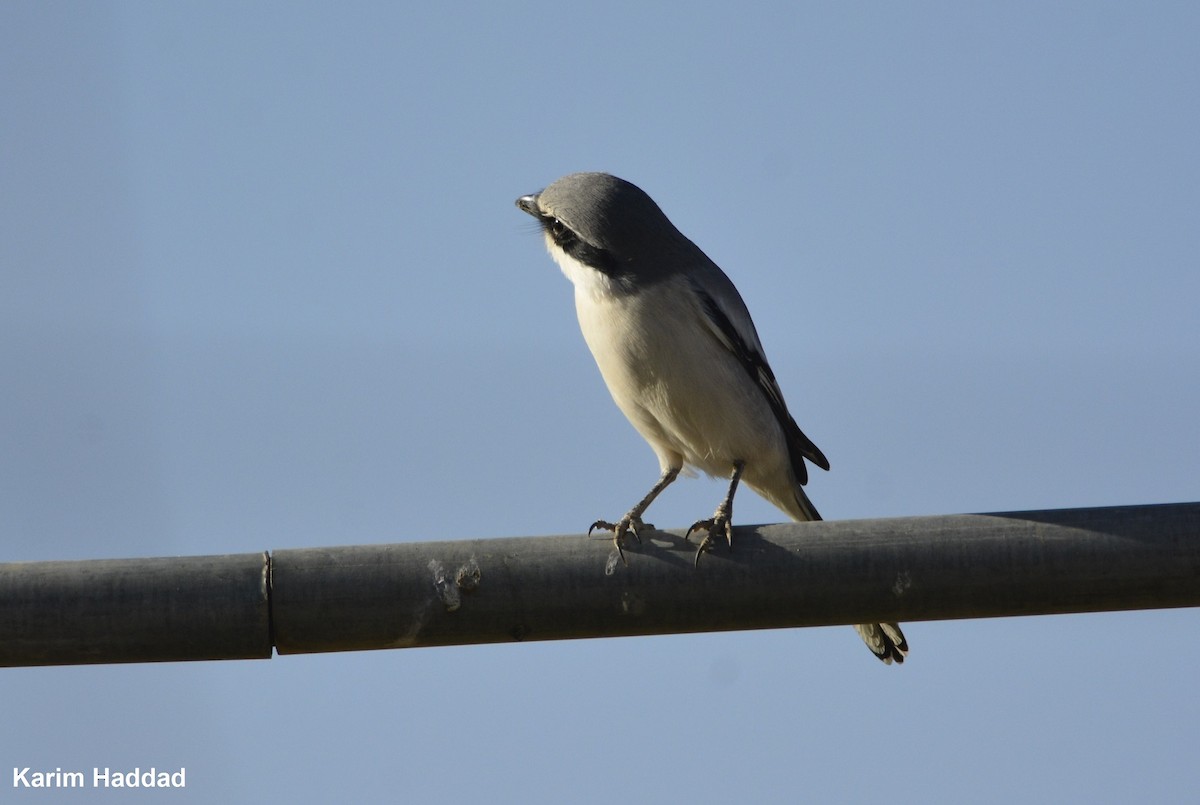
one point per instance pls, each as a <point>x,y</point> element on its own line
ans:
<point>721,523</point>
<point>631,523</point>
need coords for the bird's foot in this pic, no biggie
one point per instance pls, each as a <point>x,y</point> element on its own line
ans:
<point>720,525</point>
<point>629,524</point>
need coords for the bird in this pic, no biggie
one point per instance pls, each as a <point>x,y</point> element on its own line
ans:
<point>680,356</point>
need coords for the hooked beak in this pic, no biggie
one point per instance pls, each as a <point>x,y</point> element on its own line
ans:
<point>529,205</point>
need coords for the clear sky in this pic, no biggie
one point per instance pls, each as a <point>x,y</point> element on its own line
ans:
<point>263,286</point>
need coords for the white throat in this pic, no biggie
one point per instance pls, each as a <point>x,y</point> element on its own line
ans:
<point>587,280</point>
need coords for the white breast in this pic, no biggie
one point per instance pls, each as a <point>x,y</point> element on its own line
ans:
<point>679,387</point>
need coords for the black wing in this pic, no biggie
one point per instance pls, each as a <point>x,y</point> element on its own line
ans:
<point>744,344</point>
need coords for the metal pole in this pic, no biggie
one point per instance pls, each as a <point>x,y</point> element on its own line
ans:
<point>802,574</point>
<point>135,610</point>
<point>548,588</point>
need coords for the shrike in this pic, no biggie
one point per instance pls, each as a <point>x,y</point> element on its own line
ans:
<point>681,358</point>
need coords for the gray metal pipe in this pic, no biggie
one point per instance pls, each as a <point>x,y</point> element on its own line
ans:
<point>135,610</point>
<point>548,588</point>
<point>802,574</point>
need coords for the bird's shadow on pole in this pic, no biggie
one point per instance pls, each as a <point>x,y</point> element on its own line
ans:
<point>750,551</point>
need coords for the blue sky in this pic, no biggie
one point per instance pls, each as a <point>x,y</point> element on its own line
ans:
<point>263,286</point>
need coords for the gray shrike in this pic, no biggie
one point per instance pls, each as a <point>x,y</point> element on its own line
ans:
<point>681,358</point>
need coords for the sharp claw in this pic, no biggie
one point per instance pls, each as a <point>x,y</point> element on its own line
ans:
<point>619,530</point>
<point>718,524</point>
<point>704,547</point>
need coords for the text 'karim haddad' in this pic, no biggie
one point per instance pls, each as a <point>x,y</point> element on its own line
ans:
<point>101,778</point>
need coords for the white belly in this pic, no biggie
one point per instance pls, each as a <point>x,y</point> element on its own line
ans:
<point>684,392</point>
